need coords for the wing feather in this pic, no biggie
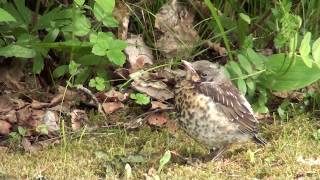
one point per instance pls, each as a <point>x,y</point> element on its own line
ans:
<point>233,104</point>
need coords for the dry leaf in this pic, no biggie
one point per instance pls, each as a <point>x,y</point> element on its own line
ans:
<point>139,54</point>
<point>110,107</point>
<point>156,89</point>
<point>157,119</point>
<point>24,115</point>
<point>292,95</point>
<point>4,127</point>
<point>28,147</point>
<point>176,23</point>
<point>168,16</point>
<point>11,75</point>
<point>121,13</point>
<point>39,105</point>
<point>9,116</point>
<point>50,119</point>
<point>112,96</point>
<point>217,47</point>
<point>158,105</point>
<point>78,117</point>
<point>5,104</point>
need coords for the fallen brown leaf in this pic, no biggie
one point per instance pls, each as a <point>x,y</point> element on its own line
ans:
<point>218,48</point>
<point>4,127</point>
<point>9,116</point>
<point>39,105</point>
<point>121,13</point>
<point>176,23</point>
<point>28,147</point>
<point>158,105</point>
<point>51,119</point>
<point>24,115</point>
<point>139,54</point>
<point>157,119</point>
<point>156,89</point>
<point>78,117</point>
<point>110,107</point>
<point>5,104</point>
<point>112,96</point>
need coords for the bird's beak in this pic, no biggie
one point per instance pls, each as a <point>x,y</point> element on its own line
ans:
<point>191,73</point>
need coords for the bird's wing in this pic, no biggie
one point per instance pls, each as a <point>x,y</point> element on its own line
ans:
<point>233,104</point>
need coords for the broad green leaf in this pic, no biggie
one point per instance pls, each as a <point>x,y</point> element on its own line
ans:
<point>245,17</point>
<point>5,16</point>
<point>305,45</point>
<point>316,51</point>
<point>118,45</point>
<point>235,68</point>
<point>307,61</point>
<point>101,43</point>
<point>251,87</point>
<point>244,63</point>
<point>98,82</point>
<point>60,71</point>
<point>298,76</point>
<point>116,56</point>
<point>79,2</point>
<point>55,18</point>
<point>256,59</point>
<point>23,9</point>
<point>75,43</point>
<point>103,12</point>
<point>22,131</point>
<point>81,25</point>
<point>38,64</point>
<point>83,75</point>
<point>107,6</point>
<point>242,86</point>
<point>99,50</point>
<point>293,43</point>
<point>73,68</point>
<point>260,108</point>
<point>17,51</point>
<point>141,99</point>
<point>164,160</point>
<point>92,83</point>
<point>42,129</point>
<point>91,59</point>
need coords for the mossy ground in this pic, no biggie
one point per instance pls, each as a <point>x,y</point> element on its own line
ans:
<point>103,154</point>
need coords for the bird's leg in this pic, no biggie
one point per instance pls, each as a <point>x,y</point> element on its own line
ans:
<point>215,154</point>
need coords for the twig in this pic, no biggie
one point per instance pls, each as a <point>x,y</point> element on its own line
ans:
<point>93,97</point>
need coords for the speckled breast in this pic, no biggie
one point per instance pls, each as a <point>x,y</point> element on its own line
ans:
<point>203,120</point>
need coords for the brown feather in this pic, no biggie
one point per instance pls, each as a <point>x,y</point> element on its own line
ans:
<point>231,103</point>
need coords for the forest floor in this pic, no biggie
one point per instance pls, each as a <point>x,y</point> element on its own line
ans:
<point>113,153</point>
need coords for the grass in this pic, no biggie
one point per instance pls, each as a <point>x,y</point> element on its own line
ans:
<point>105,153</point>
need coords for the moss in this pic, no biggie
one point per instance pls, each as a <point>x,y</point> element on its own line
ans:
<point>105,153</point>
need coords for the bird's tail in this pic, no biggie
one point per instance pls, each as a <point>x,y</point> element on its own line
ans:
<point>259,140</point>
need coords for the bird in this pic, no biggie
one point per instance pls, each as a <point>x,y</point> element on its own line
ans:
<point>212,110</point>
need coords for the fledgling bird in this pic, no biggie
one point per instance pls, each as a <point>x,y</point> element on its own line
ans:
<point>212,110</point>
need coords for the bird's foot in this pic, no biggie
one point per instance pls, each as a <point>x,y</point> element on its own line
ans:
<point>215,154</point>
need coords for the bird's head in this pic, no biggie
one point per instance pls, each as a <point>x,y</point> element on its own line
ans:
<point>203,71</point>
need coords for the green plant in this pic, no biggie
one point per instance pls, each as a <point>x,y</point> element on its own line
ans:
<point>65,27</point>
<point>255,74</point>
<point>17,136</point>
<point>139,98</point>
<point>164,160</point>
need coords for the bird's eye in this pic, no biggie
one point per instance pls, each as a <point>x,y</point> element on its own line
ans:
<point>203,75</point>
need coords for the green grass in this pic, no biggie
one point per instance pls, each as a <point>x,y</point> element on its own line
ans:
<point>104,153</point>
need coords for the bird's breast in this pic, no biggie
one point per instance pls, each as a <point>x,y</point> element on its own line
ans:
<point>203,120</point>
